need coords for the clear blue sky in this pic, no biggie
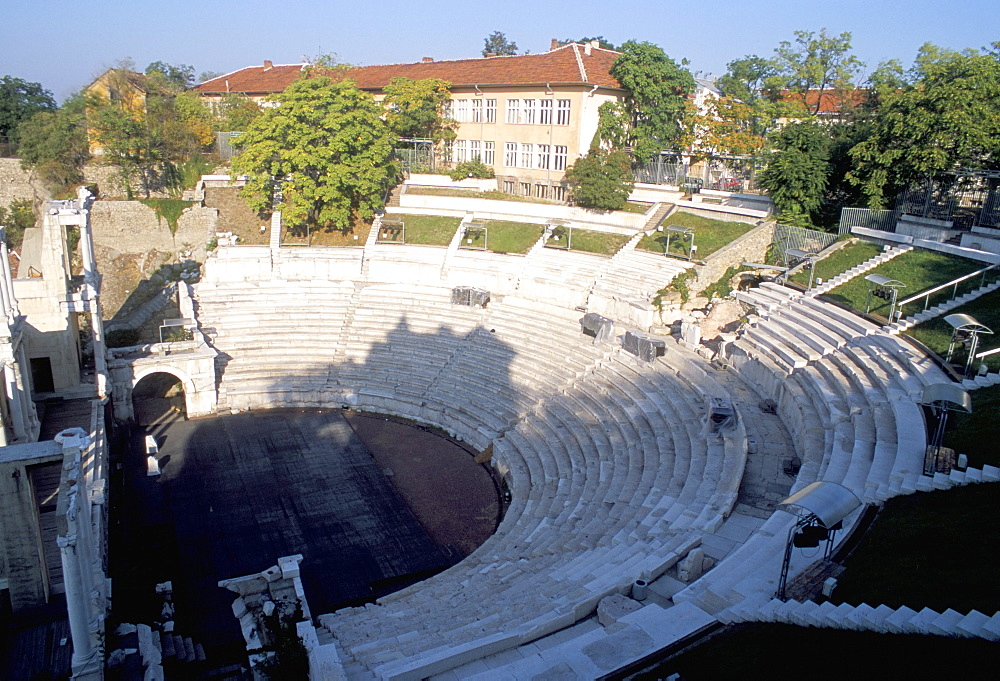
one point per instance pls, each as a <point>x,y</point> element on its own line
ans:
<point>64,45</point>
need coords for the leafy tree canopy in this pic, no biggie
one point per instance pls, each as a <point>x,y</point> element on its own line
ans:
<point>944,119</point>
<point>497,45</point>
<point>175,76</point>
<point>797,170</point>
<point>602,43</point>
<point>602,179</point>
<point>236,112</point>
<point>658,90</point>
<point>416,108</point>
<point>746,79</point>
<point>814,62</point>
<point>54,144</point>
<point>327,141</point>
<point>19,101</point>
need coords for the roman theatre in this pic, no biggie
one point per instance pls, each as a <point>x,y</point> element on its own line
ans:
<point>622,470</point>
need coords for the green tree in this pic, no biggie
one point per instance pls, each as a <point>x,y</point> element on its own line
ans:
<point>329,143</point>
<point>497,45</point>
<point>602,179</point>
<point>176,76</point>
<point>236,112</point>
<point>746,79</point>
<point>656,103</point>
<point>797,170</point>
<point>126,143</point>
<point>19,101</point>
<point>815,62</point>
<point>416,108</point>
<point>601,42</point>
<point>944,119</point>
<point>54,144</point>
<point>16,218</point>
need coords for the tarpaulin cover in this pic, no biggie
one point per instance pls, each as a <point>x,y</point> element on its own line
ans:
<point>601,328</point>
<point>642,345</point>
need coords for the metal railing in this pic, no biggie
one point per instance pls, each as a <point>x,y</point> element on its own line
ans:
<point>882,220</point>
<point>950,290</point>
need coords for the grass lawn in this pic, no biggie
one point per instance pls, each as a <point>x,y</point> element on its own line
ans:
<point>590,241</point>
<point>777,651</point>
<point>839,261</point>
<point>510,237</point>
<point>495,195</point>
<point>929,549</point>
<point>976,434</point>
<point>709,235</point>
<point>919,269</point>
<point>936,333</point>
<point>434,230</point>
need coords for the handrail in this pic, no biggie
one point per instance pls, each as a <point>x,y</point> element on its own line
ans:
<point>928,293</point>
<point>987,353</point>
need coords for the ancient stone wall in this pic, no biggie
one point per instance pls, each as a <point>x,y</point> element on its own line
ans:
<point>751,247</point>
<point>133,227</point>
<point>15,184</point>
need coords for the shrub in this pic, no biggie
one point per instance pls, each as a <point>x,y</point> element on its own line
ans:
<point>473,168</point>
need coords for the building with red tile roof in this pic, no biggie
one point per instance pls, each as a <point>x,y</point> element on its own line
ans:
<point>528,116</point>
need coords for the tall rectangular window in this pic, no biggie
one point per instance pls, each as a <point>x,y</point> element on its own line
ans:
<point>542,162</point>
<point>530,111</point>
<point>545,112</point>
<point>513,110</point>
<point>562,112</point>
<point>491,111</point>
<point>474,152</point>
<point>488,153</point>
<point>526,156</point>
<point>510,154</point>
<point>461,151</point>
<point>477,111</point>
<point>462,110</point>
<point>559,162</point>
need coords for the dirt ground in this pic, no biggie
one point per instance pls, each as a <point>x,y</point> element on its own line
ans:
<point>122,274</point>
<point>453,498</point>
<point>236,217</point>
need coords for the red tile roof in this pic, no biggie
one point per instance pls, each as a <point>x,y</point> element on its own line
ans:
<point>833,101</point>
<point>568,64</point>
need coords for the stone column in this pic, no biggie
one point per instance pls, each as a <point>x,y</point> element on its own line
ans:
<point>14,402</point>
<point>6,284</point>
<point>33,424</point>
<point>84,652</point>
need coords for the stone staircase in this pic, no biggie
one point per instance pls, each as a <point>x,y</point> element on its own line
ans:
<point>867,265</point>
<point>938,310</point>
<point>661,212</point>
<point>882,618</point>
<point>394,196</point>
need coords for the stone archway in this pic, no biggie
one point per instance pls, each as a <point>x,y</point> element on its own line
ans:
<point>195,372</point>
<point>158,397</point>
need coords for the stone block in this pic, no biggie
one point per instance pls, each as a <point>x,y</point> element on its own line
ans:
<point>614,607</point>
<point>271,574</point>
<point>691,566</point>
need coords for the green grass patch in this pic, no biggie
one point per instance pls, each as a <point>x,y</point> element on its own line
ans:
<point>433,230</point>
<point>919,269</point>
<point>636,207</point>
<point>168,209</point>
<point>511,237</point>
<point>495,195</point>
<point>839,261</point>
<point>929,549</point>
<point>776,651</point>
<point>709,235</point>
<point>588,241</point>
<point>936,333</point>
<point>977,434</point>
<point>724,286</point>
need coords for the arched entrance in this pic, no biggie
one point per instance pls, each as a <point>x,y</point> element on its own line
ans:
<point>158,398</point>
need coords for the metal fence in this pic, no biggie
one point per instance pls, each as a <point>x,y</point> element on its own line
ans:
<point>663,169</point>
<point>882,220</point>
<point>808,240</point>
<point>8,149</point>
<point>965,198</point>
<point>224,144</point>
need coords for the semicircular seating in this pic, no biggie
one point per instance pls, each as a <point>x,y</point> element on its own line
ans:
<point>613,472</point>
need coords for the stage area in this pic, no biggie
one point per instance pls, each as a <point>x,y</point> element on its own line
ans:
<point>238,491</point>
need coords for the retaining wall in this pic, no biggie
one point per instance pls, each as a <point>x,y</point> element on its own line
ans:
<point>751,247</point>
